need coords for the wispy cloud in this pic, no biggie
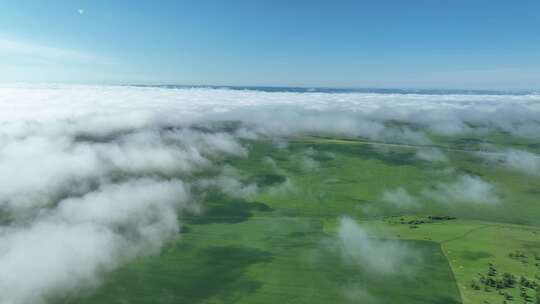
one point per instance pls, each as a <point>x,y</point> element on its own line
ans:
<point>36,51</point>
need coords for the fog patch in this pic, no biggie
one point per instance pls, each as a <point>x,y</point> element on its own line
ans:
<point>271,163</point>
<point>400,198</point>
<point>517,160</point>
<point>308,163</point>
<point>466,189</point>
<point>381,257</point>
<point>463,190</point>
<point>450,127</point>
<point>229,186</point>
<point>288,187</point>
<point>431,155</point>
<point>402,135</point>
<point>359,294</point>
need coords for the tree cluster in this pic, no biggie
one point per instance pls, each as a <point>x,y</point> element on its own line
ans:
<point>503,283</point>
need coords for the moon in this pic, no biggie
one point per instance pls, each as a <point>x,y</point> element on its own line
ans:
<point>81,11</point>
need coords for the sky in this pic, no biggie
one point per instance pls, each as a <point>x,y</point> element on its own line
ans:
<point>391,44</point>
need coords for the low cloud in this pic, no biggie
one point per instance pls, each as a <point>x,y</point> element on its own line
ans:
<point>308,163</point>
<point>288,187</point>
<point>466,189</point>
<point>39,169</point>
<point>80,202</point>
<point>431,155</point>
<point>400,198</point>
<point>381,257</point>
<point>517,160</point>
<point>229,183</point>
<point>72,245</point>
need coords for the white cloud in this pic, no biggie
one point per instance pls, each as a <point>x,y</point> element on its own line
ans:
<point>523,161</point>
<point>87,189</point>
<point>73,245</point>
<point>431,155</point>
<point>229,183</point>
<point>32,50</point>
<point>38,169</point>
<point>281,113</point>
<point>382,257</point>
<point>518,160</point>
<point>465,189</point>
<point>400,198</point>
<point>288,187</point>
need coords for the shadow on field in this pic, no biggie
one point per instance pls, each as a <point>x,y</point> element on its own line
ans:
<point>209,275</point>
<point>390,156</point>
<point>269,179</point>
<point>220,209</point>
<point>220,272</point>
<point>444,300</point>
<point>474,255</point>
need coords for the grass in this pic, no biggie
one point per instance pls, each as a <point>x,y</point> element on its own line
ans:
<point>267,260</point>
<point>273,248</point>
<point>471,246</point>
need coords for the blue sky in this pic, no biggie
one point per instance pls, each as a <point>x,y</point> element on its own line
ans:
<point>423,44</point>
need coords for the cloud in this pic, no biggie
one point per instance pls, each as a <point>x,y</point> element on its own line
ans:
<point>357,293</point>
<point>39,169</point>
<point>381,257</point>
<point>85,194</point>
<point>522,161</point>
<point>465,189</point>
<point>32,50</point>
<point>74,244</point>
<point>431,155</point>
<point>308,163</point>
<point>284,113</point>
<point>229,183</point>
<point>288,187</point>
<point>400,198</point>
<point>518,160</point>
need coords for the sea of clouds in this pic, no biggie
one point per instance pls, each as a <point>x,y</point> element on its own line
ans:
<point>93,176</point>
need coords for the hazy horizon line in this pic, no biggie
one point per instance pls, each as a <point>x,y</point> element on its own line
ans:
<point>291,88</point>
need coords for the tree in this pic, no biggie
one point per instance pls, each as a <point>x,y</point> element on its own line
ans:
<point>508,280</point>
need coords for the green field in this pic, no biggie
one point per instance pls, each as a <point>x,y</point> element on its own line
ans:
<point>278,246</point>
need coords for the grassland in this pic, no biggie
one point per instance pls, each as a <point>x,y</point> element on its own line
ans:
<point>274,247</point>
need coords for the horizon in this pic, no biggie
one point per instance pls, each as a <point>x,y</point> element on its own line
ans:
<point>299,89</point>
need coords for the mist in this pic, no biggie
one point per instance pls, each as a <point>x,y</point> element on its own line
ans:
<point>465,189</point>
<point>377,256</point>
